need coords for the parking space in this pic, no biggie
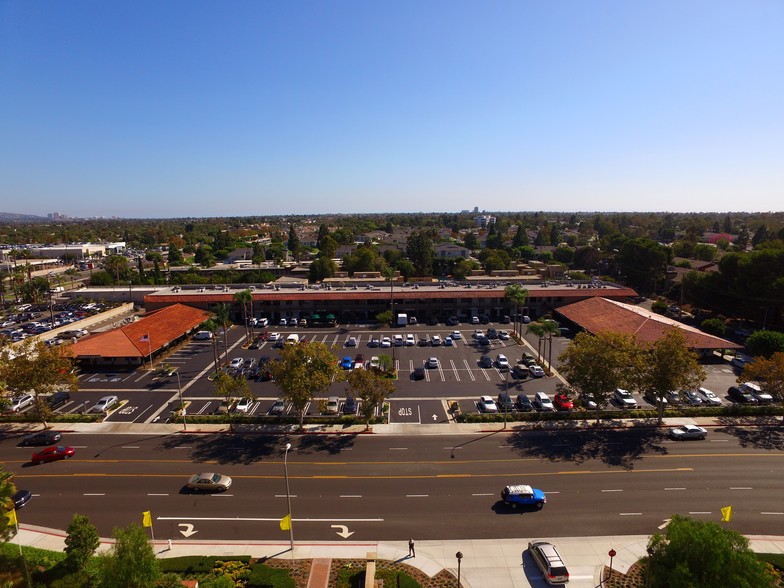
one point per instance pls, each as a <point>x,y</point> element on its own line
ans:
<point>416,411</point>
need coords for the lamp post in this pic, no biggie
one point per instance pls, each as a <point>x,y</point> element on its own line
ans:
<point>130,291</point>
<point>612,554</point>
<point>459,556</point>
<point>182,406</point>
<point>506,392</point>
<point>288,497</point>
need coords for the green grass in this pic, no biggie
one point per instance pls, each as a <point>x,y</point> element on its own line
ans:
<point>196,564</point>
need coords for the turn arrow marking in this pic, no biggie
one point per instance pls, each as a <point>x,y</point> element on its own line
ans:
<point>344,532</point>
<point>188,529</point>
<point>666,522</point>
<point>435,417</point>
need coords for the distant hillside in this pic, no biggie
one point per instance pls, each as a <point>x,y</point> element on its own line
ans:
<point>10,217</point>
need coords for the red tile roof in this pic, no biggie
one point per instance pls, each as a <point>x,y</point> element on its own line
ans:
<point>600,314</point>
<point>140,338</point>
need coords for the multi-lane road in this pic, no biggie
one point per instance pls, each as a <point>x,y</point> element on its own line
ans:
<point>372,487</point>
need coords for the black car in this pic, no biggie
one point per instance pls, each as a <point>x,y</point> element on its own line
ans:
<point>350,405</point>
<point>524,403</point>
<point>21,498</point>
<point>484,319</point>
<point>42,438</point>
<point>492,334</point>
<point>738,395</point>
<point>506,320</point>
<point>483,341</point>
<point>418,374</point>
<point>424,341</point>
<point>57,399</point>
<point>486,361</point>
<point>520,371</point>
<point>452,321</point>
<point>432,321</point>
<point>505,402</point>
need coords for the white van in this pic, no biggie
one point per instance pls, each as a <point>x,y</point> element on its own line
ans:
<point>292,339</point>
<point>262,322</point>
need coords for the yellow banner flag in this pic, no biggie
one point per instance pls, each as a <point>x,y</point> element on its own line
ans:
<point>146,519</point>
<point>285,523</point>
<point>11,516</point>
<point>726,514</point>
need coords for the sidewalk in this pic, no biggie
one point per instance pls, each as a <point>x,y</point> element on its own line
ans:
<point>486,563</point>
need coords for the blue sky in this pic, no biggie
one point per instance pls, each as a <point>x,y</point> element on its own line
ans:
<point>189,108</point>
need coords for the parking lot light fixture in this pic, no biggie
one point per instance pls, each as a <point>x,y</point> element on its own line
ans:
<point>459,556</point>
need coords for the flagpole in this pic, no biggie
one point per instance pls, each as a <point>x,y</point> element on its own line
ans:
<point>288,497</point>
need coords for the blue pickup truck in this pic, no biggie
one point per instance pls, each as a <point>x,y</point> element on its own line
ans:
<point>520,494</point>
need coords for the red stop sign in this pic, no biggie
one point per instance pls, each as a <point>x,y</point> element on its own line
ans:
<point>611,553</point>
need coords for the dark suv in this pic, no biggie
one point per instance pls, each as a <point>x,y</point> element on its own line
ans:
<point>424,341</point>
<point>524,403</point>
<point>57,399</point>
<point>505,402</point>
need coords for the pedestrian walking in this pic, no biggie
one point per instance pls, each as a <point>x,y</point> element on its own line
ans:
<point>411,550</point>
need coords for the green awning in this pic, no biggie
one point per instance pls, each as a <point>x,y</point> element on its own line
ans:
<point>330,316</point>
<point>315,317</point>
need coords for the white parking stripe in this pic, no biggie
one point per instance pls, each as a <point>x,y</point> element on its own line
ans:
<point>454,368</point>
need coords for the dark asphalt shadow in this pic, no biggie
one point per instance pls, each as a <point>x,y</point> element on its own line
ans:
<point>500,508</point>
<point>226,449</point>
<point>531,571</point>
<point>757,432</point>
<point>614,447</point>
<point>330,444</point>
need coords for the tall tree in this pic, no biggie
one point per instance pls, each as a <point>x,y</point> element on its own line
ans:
<point>81,541</point>
<point>34,366</point>
<point>770,371</point>
<point>372,388</point>
<point>303,371</point>
<point>419,250</point>
<point>294,243</point>
<point>7,490</point>
<point>245,298</point>
<point>131,563</point>
<point>700,553</point>
<point>222,317</point>
<point>175,257</point>
<point>517,296</point>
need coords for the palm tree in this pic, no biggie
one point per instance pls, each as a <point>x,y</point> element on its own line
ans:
<point>244,297</point>
<point>222,317</point>
<point>517,295</point>
<point>538,329</point>
<point>550,329</point>
<point>212,326</point>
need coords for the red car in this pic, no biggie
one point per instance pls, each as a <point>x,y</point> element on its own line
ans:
<point>563,402</point>
<point>52,453</point>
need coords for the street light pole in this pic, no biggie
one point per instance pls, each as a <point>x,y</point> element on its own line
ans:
<point>182,406</point>
<point>506,392</point>
<point>288,497</point>
<point>459,556</point>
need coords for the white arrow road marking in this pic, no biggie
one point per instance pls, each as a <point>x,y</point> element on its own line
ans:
<point>666,522</point>
<point>344,532</point>
<point>435,417</point>
<point>188,529</point>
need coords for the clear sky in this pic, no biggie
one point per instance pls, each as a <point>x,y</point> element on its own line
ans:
<point>151,108</point>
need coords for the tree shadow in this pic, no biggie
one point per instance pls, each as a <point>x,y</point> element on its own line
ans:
<point>758,432</point>
<point>614,447</point>
<point>226,449</point>
<point>331,444</point>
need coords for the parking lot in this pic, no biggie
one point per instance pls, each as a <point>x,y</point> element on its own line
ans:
<point>423,394</point>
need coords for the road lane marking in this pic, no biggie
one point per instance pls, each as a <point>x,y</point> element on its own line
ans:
<point>94,494</point>
<point>285,496</point>
<point>741,488</point>
<point>700,512</point>
<point>772,513</point>
<point>675,488</point>
<point>350,496</point>
<point>417,495</point>
<point>275,519</point>
<point>398,448</point>
<point>130,447</point>
<point>630,514</point>
<point>152,494</point>
<point>485,494</point>
<point>614,490</point>
<point>719,440</point>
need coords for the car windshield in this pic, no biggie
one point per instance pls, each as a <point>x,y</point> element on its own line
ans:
<point>215,478</point>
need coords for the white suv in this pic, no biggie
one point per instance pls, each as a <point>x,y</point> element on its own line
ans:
<point>624,398</point>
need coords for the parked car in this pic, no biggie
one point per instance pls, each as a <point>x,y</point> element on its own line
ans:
<point>278,407</point>
<point>624,398</point>
<point>549,562</point>
<point>492,334</point>
<point>351,342</point>
<point>104,404</point>
<point>456,335</point>
<point>435,341</point>
<point>448,341</point>
<point>523,495</point>
<point>208,482</point>
<point>21,402</point>
<point>487,405</point>
<point>398,341</point>
<point>333,404</point>
<point>347,363</point>
<point>503,335</point>
<point>710,397</point>
<point>236,363</point>
<point>501,362</point>
<point>350,405</point>
<point>685,432</point>
<point>528,359</point>
<point>505,402</point>
<point>563,403</point>
<point>691,398</point>
<point>424,341</point>
<point>523,403</point>
<point>431,363</point>
<point>243,405</point>
<point>536,371</point>
<point>650,397</point>
<point>674,397</point>
<point>53,453</point>
<point>410,340</point>
<point>741,396</point>
<point>588,401</point>
<point>739,363</point>
<point>418,373</point>
<point>45,437</point>
<point>520,371</point>
<point>274,336</point>
<point>483,341</point>
<point>542,402</point>
<point>202,336</point>
<point>485,361</point>
<point>757,392</point>
<point>386,342</point>
<point>374,342</point>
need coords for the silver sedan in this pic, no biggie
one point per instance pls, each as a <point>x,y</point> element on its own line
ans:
<point>685,432</point>
<point>208,482</point>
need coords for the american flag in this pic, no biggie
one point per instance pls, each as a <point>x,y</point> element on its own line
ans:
<point>144,339</point>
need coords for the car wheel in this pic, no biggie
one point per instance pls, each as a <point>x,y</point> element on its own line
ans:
<point>38,462</point>
<point>67,457</point>
<point>539,505</point>
<point>222,488</point>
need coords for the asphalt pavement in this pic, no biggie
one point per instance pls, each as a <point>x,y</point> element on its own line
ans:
<point>485,563</point>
